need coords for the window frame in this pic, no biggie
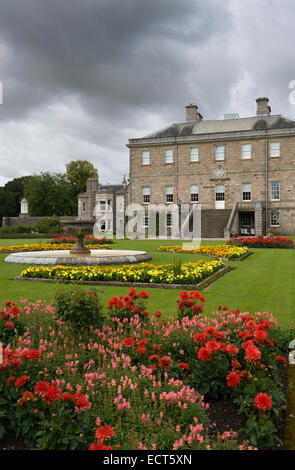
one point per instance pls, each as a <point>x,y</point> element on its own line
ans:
<point>246,192</point>
<point>169,194</point>
<point>220,192</point>
<point>270,149</point>
<point>271,219</point>
<point>146,195</point>
<point>169,158</point>
<point>191,154</point>
<point>248,157</point>
<point>272,191</point>
<point>219,159</point>
<point>196,193</point>
<point>143,163</point>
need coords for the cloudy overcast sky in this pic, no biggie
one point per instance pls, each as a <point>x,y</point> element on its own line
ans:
<point>81,77</point>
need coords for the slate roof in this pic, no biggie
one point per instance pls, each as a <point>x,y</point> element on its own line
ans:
<point>193,128</point>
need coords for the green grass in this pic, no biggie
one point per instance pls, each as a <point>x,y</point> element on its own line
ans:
<point>262,282</point>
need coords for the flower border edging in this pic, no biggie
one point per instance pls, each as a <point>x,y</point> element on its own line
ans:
<point>201,285</point>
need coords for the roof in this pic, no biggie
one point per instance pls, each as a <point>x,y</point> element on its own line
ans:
<point>193,128</point>
<point>111,188</point>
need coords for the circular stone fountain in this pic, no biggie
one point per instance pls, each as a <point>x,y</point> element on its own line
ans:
<point>79,255</point>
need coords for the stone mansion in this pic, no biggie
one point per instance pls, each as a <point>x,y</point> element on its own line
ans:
<point>240,170</point>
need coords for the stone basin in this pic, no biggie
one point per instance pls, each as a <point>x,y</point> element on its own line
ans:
<point>65,258</point>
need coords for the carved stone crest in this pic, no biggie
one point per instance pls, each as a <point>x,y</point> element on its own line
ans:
<point>219,172</point>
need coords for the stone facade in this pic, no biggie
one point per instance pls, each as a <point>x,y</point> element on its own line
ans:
<point>106,204</point>
<point>246,165</point>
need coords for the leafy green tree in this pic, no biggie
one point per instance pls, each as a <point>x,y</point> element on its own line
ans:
<point>50,194</point>
<point>78,171</point>
<point>8,204</point>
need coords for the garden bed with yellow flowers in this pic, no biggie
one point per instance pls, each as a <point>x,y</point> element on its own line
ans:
<point>223,252</point>
<point>46,247</point>
<point>144,274</point>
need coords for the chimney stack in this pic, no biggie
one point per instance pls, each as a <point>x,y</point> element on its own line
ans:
<point>192,113</point>
<point>263,109</point>
<point>92,185</point>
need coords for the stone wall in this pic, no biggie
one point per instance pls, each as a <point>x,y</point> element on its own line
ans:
<point>28,220</point>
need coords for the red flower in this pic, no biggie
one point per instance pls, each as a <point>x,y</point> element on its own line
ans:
<point>67,396</point>
<point>260,335</point>
<point>158,314</point>
<point>263,402</point>
<point>141,351</point>
<point>81,401</point>
<point>200,338</point>
<point>41,388</point>
<point>154,357</point>
<point>147,333</point>
<point>232,349</point>
<point>183,365</point>
<point>14,310</point>
<point>19,382</point>
<point>99,446</point>
<point>9,325</point>
<point>52,394</point>
<point>27,396</point>
<point>204,354</point>
<point>281,359</point>
<point>32,354</point>
<point>165,362</point>
<point>128,342</point>
<point>142,342</point>
<point>212,346</point>
<point>252,353</point>
<point>184,295</point>
<point>233,379</point>
<point>104,432</point>
<point>144,295</point>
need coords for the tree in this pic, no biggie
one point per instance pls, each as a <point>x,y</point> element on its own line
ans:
<point>50,194</point>
<point>78,171</point>
<point>8,204</point>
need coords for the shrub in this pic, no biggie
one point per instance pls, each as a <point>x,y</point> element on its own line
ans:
<point>48,226</point>
<point>79,308</point>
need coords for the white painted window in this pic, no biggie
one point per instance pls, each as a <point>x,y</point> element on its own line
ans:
<point>146,195</point>
<point>169,193</point>
<point>168,156</point>
<point>194,154</point>
<point>247,192</point>
<point>246,151</point>
<point>275,219</point>
<point>146,157</point>
<point>275,149</point>
<point>169,220</point>
<point>219,192</point>
<point>102,206</point>
<point>219,152</point>
<point>275,191</point>
<point>145,221</point>
<point>194,193</point>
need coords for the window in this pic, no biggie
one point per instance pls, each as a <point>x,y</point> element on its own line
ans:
<point>246,192</point>
<point>84,207</point>
<point>219,152</point>
<point>146,195</point>
<point>194,154</point>
<point>194,193</point>
<point>109,224</point>
<point>102,225</point>
<point>169,193</point>
<point>219,192</point>
<point>169,220</point>
<point>275,149</point>
<point>275,219</point>
<point>145,221</point>
<point>246,219</point>
<point>275,191</point>
<point>109,205</point>
<point>168,156</point>
<point>246,151</point>
<point>102,206</point>
<point>146,157</point>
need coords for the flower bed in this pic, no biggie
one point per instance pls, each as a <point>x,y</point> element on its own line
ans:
<point>88,240</point>
<point>137,382</point>
<point>260,242</point>
<point>218,251</point>
<point>190,273</point>
<point>46,247</point>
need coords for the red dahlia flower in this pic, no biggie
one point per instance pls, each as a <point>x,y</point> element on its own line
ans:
<point>165,362</point>
<point>263,402</point>
<point>128,342</point>
<point>252,354</point>
<point>104,432</point>
<point>204,354</point>
<point>233,379</point>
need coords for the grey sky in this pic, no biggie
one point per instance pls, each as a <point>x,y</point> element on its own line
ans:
<point>81,77</point>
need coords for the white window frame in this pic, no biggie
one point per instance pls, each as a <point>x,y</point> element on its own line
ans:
<point>194,154</point>
<point>219,192</point>
<point>169,214</point>
<point>145,221</point>
<point>169,156</point>
<point>194,193</point>
<point>275,149</point>
<point>102,205</point>
<point>169,191</point>
<point>246,151</point>
<point>272,191</point>
<point>219,155</point>
<point>244,191</point>
<point>271,219</point>
<point>102,222</point>
<point>146,195</point>
<point>146,157</point>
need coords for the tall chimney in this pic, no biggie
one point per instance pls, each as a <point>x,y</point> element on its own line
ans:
<point>192,113</point>
<point>92,185</point>
<point>262,107</point>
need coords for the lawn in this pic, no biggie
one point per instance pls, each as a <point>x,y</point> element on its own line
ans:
<point>262,282</point>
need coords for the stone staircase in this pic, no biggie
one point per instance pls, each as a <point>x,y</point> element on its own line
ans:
<point>214,221</point>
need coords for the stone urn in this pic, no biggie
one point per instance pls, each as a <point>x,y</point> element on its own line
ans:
<point>79,228</point>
